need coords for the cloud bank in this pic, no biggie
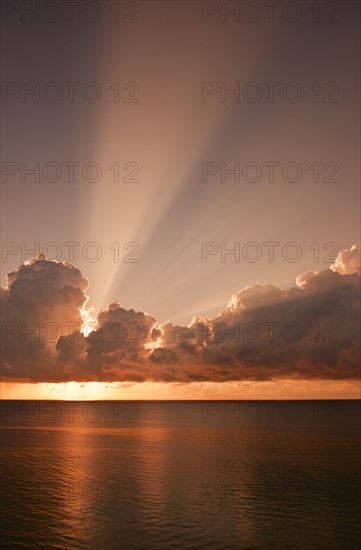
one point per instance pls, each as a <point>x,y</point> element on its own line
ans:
<point>310,331</point>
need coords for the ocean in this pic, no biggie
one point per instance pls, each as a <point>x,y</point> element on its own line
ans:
<point>166,475</point>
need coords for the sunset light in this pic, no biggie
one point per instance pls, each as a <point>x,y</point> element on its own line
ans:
<point>180,275</point>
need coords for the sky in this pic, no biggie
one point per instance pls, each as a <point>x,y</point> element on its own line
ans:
<point>192,164</point>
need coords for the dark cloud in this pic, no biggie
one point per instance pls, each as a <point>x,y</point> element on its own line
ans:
<point>41,301</point>
<point>310,331</point>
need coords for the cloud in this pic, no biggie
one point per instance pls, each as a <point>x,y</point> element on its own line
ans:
<point>41,299</point>
<point>116,350</point>
<point>348,261</point>
<point>310,331</point>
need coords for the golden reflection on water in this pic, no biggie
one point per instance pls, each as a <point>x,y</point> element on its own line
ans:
<point>173,479</point>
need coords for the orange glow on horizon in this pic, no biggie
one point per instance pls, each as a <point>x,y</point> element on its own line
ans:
<point>275,390</point>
